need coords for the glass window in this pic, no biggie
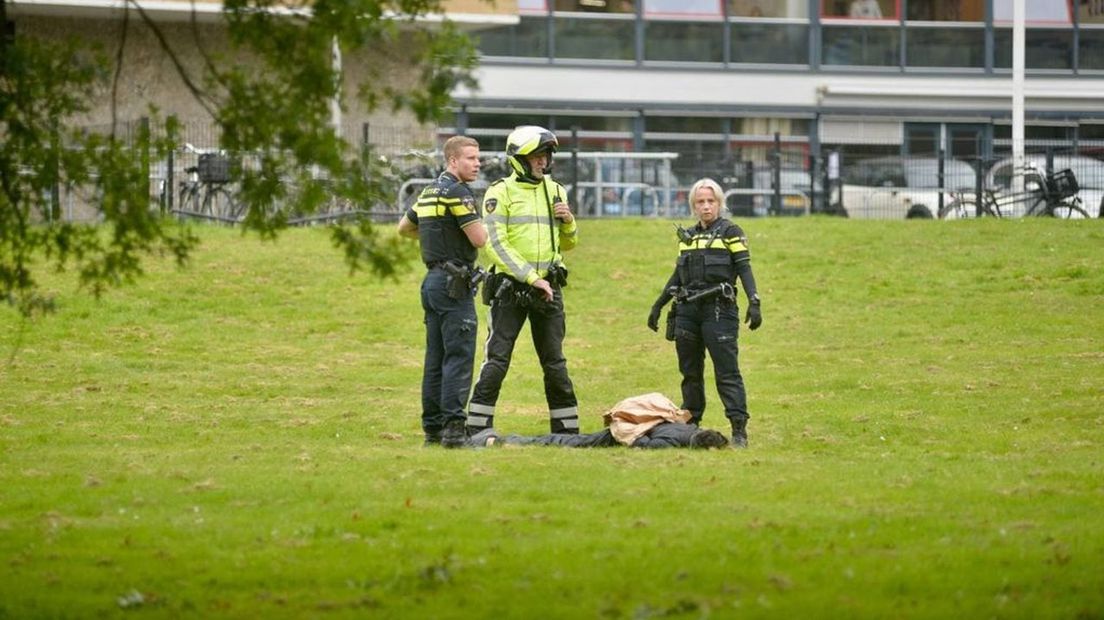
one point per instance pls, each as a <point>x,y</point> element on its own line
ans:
<point>508,121</point>
<point>860,9</point>
<point>1091,53</point>
<point>943,46</point>
<point>1091,132</point>
<point>527,39</point>
<point>684,41</point>
<point>770,43</point>
<point>532,6</point>
<point>682,8</point>
<point>602,39</point>
<point>684,124</point>
<point>1090,12</point>
<point>596,6</point>
<point>861,45</point>
<point>1039,12</point>
<point>768,126</point>
<point>946,10</point>
<point>768,8</point>
<point>1045,49</point>
<point>562,124</point>
<point>1034,132</point>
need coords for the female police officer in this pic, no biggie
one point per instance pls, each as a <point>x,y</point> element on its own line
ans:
<point>712,254</point>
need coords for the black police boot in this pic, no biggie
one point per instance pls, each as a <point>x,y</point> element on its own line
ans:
<point>454,434</point>
<point>432,437</point>
<point>739,434</point>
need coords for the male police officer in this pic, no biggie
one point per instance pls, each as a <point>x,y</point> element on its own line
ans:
<point>712,255</point>
<point>448,227</point>
<point>528,225</point>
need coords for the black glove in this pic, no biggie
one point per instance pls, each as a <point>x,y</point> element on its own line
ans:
<point>653,317</point>
<point>754,316</point>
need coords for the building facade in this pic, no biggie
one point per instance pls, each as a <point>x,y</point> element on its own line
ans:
<point>715,80</point>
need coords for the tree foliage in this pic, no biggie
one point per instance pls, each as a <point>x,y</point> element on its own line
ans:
<point>273,114</point>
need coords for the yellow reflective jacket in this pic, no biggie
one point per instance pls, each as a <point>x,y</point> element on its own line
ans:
<point>523,239</point>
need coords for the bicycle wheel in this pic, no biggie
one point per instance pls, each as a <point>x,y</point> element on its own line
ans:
<point>958,210</point>
<point>1065,211</point>
<point>219,205</point>
<point>189,199</point>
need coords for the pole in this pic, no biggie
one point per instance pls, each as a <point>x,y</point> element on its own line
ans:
<point>1018,43</point>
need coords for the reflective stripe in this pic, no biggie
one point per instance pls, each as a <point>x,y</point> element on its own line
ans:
<point>484,409</point>
<point>460,210</point>
<point>736,245</point>
<point>529,219</point>
<point>431,210</point>
<point>566,412</point>
<point>478,421</point>
<point>541,266</point>
<point>518,271</point>
<point>572,423</point>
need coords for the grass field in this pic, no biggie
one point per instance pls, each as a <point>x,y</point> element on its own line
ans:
<point>240,439</point>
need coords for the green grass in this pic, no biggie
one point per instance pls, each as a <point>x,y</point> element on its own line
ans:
<point>241,439</point>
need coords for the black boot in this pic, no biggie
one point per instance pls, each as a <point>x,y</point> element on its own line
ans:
<point>454,434</point>
<point>432,436</point>
<point>739,433</point>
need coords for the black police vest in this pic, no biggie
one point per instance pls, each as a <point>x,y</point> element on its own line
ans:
<point>706,259</point>
<point>439,230</point>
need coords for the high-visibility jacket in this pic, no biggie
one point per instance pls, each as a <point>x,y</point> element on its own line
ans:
<point>523,238</point>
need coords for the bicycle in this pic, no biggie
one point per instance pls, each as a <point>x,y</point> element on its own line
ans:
<point>1045,195</point>
<point>203,194</point>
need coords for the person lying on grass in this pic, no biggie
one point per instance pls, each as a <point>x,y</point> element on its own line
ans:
<point>650,421</point>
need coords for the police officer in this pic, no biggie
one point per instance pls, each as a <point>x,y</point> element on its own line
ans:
<point>446,222</point>
<point>712,255</point>
<point>528,226</point>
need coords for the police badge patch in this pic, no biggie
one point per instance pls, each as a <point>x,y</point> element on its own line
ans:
<point>490,205</point>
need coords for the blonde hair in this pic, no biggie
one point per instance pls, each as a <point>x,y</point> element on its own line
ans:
<point>709,184</point>
<point>455,144</point>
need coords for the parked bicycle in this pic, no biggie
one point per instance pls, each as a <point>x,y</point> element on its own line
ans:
<point>1045,194</point>
<point>204,193</point>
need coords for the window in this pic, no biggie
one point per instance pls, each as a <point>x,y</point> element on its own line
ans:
<point>767,8</point>
<point>682,8</point>
<point>601,39</point>
<point>860,9</point>
<point>869,45</point>
<point>684,41</point>
<point>1090,12</point>
<point>596,6</point>
<point>945,46</point>
<point>1045,48</point>
<point>770,43</point>
<point>684,124</point>
<point>1047,12</point>
<point>946,10</point>
<point>1091,53</point>
<point>532,6</point>
<point>562,124</point>
<point>527,39</point>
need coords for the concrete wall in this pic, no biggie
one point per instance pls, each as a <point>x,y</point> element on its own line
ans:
<point>149,75</point>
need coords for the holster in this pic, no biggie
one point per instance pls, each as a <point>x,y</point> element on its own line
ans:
<point>670,333</point>
<point>458,287</point>
<point>460,284</point>
<point>557,275</point>
<point>491,285</point>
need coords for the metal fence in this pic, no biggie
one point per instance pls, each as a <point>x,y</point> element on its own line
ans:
<point>871,180</point>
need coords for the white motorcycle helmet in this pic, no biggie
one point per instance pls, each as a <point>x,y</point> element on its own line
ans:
<point>527,140</point>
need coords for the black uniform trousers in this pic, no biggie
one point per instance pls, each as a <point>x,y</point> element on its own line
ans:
<point>548,326</point>
<point>709,325</point>
<point>451,327</point>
